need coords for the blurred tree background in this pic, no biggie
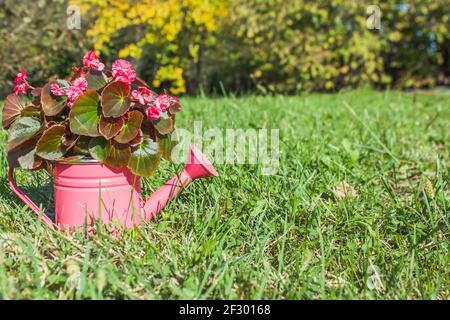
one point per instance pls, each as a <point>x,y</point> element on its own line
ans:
<point>34,37</point>
<point>264,46</point>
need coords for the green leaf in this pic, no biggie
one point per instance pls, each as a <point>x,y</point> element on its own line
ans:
<point>131,127</point>
<point>11,110</point>
<point>96,79</point>
<point>50,146</point>
<point>50,104</point>
<point>110,152</point>
<point>115,99</point>
<point>31,111</point>
<point>109,127</point>
<point>81,146</point>
<point>165,124</point>
<point>97,148</point>
<point>167,143</point>
<point>85,115</point>
<point>145,158</point>
<point>22,130</point>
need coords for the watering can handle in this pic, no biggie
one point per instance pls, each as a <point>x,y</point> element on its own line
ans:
<point>27,200</point>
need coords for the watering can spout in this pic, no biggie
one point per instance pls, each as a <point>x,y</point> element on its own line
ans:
<point>197,166</point>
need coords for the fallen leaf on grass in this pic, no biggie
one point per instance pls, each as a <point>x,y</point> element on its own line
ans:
<point>344,191</point>
<point>428,187</point>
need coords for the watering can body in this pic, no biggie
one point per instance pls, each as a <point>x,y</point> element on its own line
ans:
<point>90,191</point>
<point>87,192</point>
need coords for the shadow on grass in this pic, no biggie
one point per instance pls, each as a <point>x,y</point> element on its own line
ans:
<point>40,194</point>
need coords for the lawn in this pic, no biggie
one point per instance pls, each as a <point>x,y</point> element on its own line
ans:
<point>244,235</point>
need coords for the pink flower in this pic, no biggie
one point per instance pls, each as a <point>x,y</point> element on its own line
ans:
<point>75,90</point>
<point>72,94</point>
<point>163,102</point>
<point>80,83</point>
<point>137,96</point>
<point>153,113</point>
<point>143,96</point>
<point>21,77</point>
<point>57,90</point>
<point>91,60</point>
<point>21,89</point>
<point>123,71</point>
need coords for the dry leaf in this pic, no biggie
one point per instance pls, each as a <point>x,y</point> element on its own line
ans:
<point>343,191</point>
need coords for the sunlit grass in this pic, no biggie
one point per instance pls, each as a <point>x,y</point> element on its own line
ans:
<point>246,235</point>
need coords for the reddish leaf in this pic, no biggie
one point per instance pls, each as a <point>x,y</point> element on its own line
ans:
<point>138,139</point>
<point>11,110</point>
<point>165,124</point>
<point>108,73</point>
<point>109,127</point>
<point>51,123</point>
<point>110,152</point>
<point>116,99</point>
<point>131,127</point>
<point>69,139</point>
<point>174,108</point>
<point>50,104</point>
<point>148,129</point>
<point>118,155</point>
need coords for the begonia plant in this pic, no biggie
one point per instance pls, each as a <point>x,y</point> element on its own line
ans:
<point>110,116</point>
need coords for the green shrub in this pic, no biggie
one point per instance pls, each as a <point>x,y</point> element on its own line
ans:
<point>35,37</point>
<point>290,45</point>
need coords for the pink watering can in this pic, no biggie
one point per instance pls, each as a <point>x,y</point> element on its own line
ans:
<point>88,191</point>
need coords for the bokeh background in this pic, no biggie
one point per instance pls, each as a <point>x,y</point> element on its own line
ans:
<point>239,46</point>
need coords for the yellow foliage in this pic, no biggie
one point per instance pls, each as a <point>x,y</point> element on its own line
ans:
<point>173,75</point>
<point>132,50</point>
<point>395,36</point>
<point>159,24</point>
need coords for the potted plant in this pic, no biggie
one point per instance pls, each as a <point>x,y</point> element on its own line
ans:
<point>97,133</point>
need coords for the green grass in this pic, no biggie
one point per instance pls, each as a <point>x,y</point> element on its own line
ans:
<point>246,235</point>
